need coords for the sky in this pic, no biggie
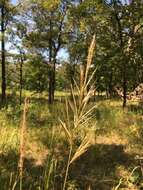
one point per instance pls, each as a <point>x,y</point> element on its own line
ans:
<point>14,1</point>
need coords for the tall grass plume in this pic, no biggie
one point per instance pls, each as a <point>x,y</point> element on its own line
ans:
<point>78,124</point>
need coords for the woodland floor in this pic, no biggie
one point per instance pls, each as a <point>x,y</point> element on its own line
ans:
<point>114,161</point>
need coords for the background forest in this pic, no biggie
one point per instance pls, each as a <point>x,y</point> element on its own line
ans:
<point>71,102</point>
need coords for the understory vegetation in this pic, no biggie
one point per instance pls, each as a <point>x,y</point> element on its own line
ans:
<point>113,160</point>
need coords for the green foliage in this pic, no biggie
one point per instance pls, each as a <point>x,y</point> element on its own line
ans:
<point>66,74</point>
<point>36,72</point>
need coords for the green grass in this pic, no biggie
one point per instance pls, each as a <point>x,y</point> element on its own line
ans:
<point>108,164</point>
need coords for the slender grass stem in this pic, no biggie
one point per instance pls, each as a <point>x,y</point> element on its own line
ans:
<point>67,169</point>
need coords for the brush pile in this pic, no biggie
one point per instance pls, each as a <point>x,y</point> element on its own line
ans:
<point>136,95</point>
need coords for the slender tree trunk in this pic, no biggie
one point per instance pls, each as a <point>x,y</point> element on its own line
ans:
<point>110,88</point>
<point>50,100</point>
<point>50,72</point>
<point>21,80</point>
<point>124,85</point>
<point>3,85</point>
<point>51,84</point>
<point>54,79</point>
<point>124,69</point>
<point>53,50</point>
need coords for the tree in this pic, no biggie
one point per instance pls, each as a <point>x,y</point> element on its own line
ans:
<point>47,37</point>
<point>18,35</point>
<point>128,27</point>
<point>118,29</point>
<point>7,13</point>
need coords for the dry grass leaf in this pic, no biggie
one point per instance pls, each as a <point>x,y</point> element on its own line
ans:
<point>67,132</point>
<point>86,143</point>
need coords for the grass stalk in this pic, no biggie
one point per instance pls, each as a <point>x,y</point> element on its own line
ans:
<point>67,168</point>
<point>22,142</point>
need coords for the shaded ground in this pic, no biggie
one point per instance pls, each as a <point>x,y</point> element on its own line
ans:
<point>113,157</point>
<point>101,167</point>
<point>98,167</point>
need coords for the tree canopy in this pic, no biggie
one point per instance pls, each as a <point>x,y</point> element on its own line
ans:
<point>34,33</point>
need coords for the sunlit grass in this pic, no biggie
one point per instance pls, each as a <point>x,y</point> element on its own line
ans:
<point>114,127</point>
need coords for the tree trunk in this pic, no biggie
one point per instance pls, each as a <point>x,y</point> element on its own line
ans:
<point>51,84</point>
<point>50,88</point>
<point>53,80</point>
<point>3,85</point>
<point>124,69</point>
<point>110,87</point>
<point>51,71</point>
<point>124,86</point>
<point>21,80</point>
<point>124,94</point>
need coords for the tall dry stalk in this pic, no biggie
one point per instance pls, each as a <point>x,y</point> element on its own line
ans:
<point>77,106</point>
<point>23,135</point>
